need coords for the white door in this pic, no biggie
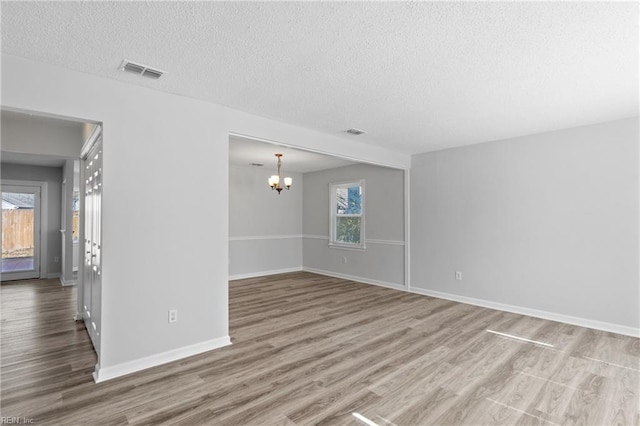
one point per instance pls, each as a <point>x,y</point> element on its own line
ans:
<point>20,232</point>
<point>92,282</point>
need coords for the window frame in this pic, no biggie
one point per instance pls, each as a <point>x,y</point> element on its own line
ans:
<point>333,215</point>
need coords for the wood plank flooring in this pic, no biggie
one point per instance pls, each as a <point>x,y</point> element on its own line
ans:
<point>309,349</point>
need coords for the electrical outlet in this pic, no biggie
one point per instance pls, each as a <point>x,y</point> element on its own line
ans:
<point>344,260</point>
<point>458,275</point>
<point>173,315</point>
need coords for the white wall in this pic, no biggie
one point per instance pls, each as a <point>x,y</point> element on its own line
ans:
<point>53,177</point>
<point>382,262</point>
<point>160,149</point>
<point>547,223</point>
<point>50,137</point>
<point>265,229</point>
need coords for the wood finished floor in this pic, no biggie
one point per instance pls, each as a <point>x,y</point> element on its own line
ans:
<point>309,349</point>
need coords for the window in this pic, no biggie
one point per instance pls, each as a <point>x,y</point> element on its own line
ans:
<point>347,215</point>
<point>75,225</point>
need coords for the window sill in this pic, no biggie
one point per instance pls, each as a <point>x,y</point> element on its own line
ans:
<point>352,247</point>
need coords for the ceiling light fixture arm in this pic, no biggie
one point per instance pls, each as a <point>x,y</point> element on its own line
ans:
<point>274,181</point>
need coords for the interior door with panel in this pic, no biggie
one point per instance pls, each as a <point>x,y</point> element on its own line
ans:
<point>92,281</point>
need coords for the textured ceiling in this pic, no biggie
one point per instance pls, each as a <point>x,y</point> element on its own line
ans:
<point>244,152</point>
<point>417,76</point>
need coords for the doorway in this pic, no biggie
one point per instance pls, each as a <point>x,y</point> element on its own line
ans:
<point>21,211</point>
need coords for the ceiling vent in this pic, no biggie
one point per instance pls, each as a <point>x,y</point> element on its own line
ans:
<point>355,131</point>
<point>140,69</point>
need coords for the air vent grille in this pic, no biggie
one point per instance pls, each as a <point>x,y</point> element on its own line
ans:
<point>354,131</point>
<point>151,73</point>
<point>140,69</point>
<point>135,68</point>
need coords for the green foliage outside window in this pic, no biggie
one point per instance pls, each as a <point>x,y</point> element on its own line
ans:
<point>348,214</point>
<point>348,230</point>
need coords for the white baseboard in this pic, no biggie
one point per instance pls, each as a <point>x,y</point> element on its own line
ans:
<point>354,278</point>
<point>568,319</point>
<point>68,283</point>
<point>264,273</point>
<point>102,374</point>
<point>54,275</point>
<point>265,237</point>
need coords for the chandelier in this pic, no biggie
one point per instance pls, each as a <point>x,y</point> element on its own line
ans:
<point>274,181</point>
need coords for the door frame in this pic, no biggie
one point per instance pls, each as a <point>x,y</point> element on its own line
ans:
<point>90,288</point>
<point>41,226</point>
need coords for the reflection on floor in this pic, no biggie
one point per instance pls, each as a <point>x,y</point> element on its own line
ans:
<point>17,264</point>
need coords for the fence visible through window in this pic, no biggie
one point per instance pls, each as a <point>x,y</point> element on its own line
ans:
<point>18,231</point>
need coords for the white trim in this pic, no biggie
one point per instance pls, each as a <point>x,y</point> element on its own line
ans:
<point>102,374</point>
<point>407,229</point>
<point>363,247</point>
<point>264,273</point>
<point>67,283</point>
<point>265,237</point>
<point>316,237</point>
<point>90,141</point>
<point>44,228</point>
<point>54,275</point>
<point>367,241</point>
<point>363,280</point>
<point>387,242</point>
<point>568,319</point>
